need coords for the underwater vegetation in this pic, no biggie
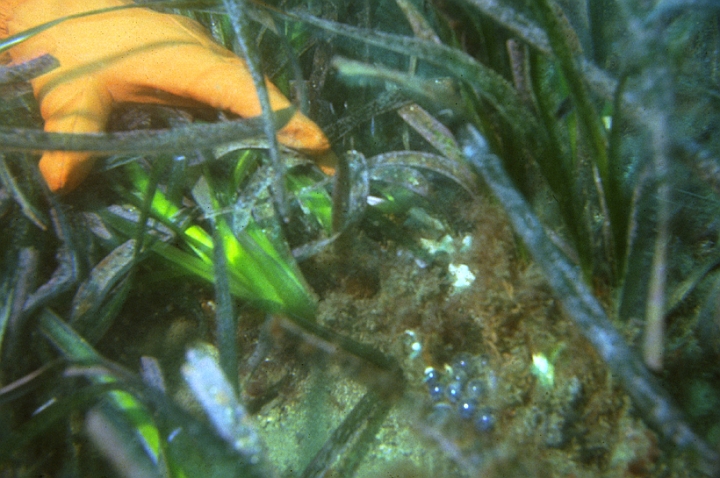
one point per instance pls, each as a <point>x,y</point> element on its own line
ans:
<point>506,264</point>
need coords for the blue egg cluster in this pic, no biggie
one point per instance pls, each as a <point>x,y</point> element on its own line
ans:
<point>459,391</point>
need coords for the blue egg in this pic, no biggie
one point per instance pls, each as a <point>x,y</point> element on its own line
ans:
<point>453,391</point>
<point>460,376</point>
<point>437,392</point>
<point>474,389</point>
<point>467,409</point>
<point>462,361</point>
<point>483,361</point>
<point>432,376</point>
<point>484,420</point>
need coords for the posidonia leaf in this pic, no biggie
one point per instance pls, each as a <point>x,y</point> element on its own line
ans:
<point>457,171</point>
<point>427,89</point>
<point>18,38</point>
<point>75,348</point>
<point>172,141</point>
<point>219,400</point>
<point>88,313</point>
<point>487,83</point>
<point>27,70</point>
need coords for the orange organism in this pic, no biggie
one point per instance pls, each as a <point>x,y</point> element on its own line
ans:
<point>133,55</point>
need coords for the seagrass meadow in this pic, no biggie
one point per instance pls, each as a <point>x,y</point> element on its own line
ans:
<point>505,265</point>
